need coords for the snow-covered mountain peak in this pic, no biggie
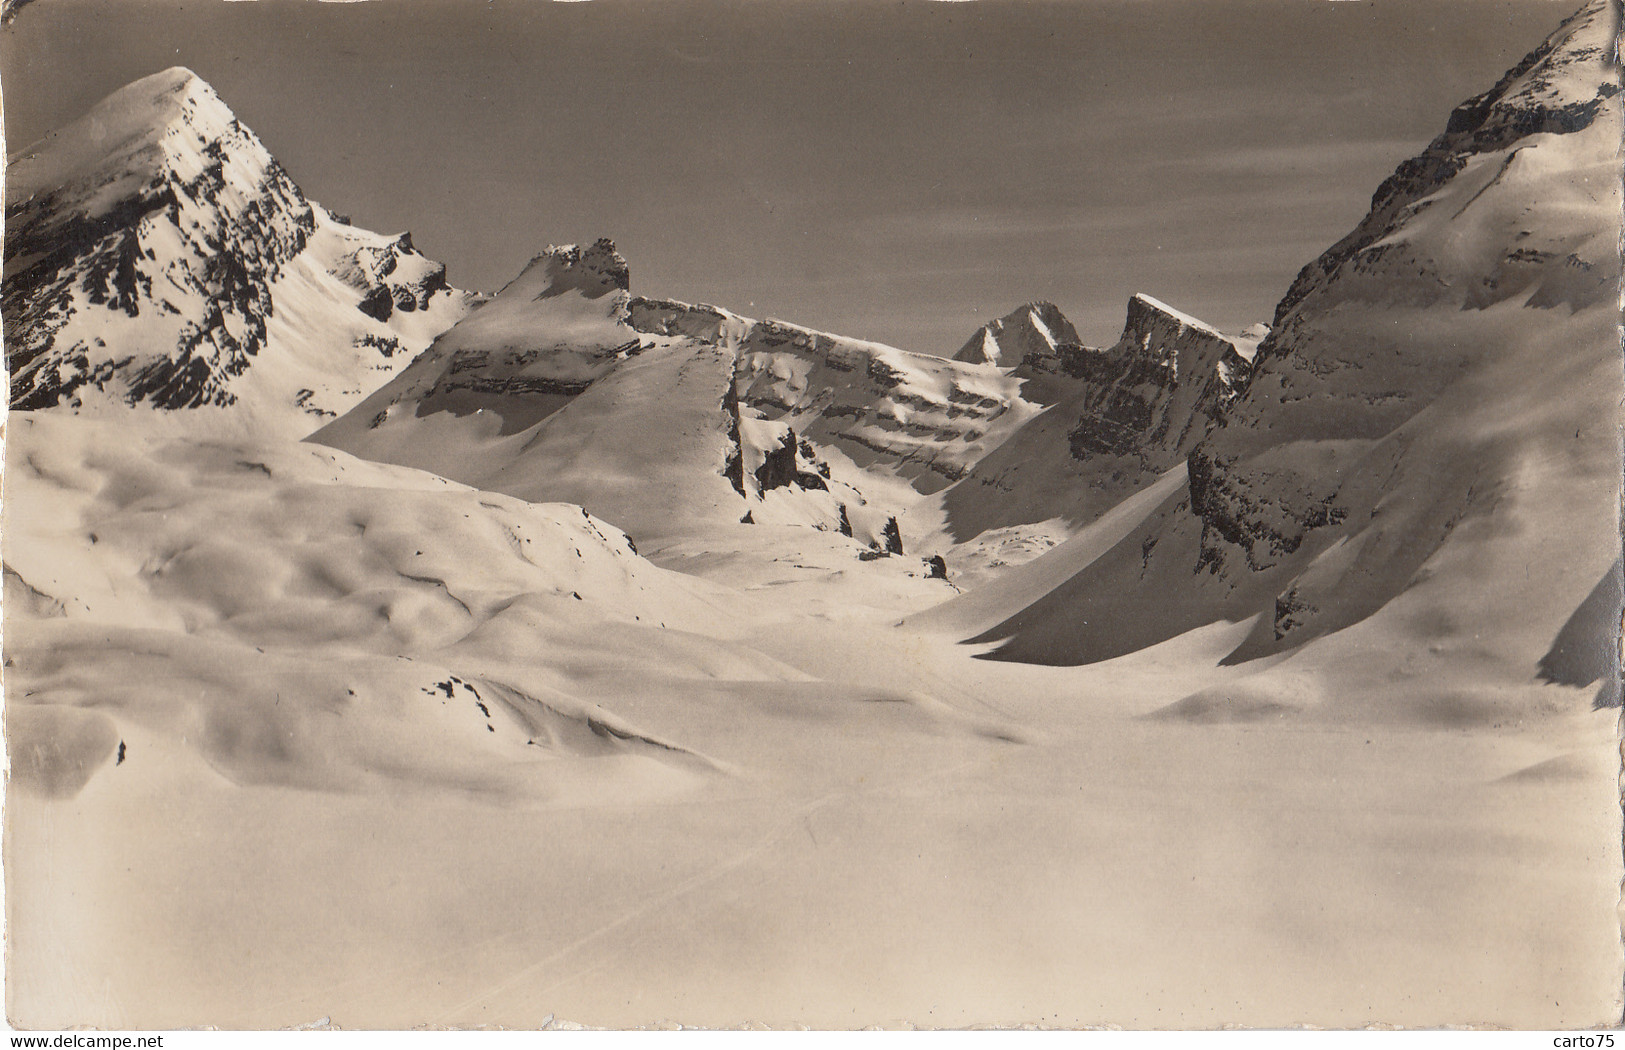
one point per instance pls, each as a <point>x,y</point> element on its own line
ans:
<point>1032,332</point>
<point>568,301</point>
<point>1118,418</point>
<point>1482,167</point>
<point>595,271</point>
<point>1160,388</point>
<point>1158,336</point>
<point>157,254</point>
<point>1559,87</point>
<point>1435,410</point>
<point>169,122</point>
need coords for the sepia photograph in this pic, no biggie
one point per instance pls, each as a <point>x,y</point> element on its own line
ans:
<point>834,514</point>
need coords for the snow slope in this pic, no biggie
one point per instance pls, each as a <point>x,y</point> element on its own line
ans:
<point>641,409</point>
<point>156,254</point>
<point>831,847</point>
<point>547,393</point>
<point>290,615</point>
<point>1425,464</point>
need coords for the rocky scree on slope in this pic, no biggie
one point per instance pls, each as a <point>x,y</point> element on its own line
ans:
<point>150,243</point>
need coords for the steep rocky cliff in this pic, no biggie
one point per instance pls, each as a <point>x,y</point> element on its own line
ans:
<point>922,418</point>
<point>1509,207</point>
<point>566,388</point>
<point>1164,385</point>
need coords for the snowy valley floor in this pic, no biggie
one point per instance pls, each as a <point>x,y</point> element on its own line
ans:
<point>868,826</point>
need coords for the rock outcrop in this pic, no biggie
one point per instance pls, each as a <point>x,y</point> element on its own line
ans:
<point>923,418</point>
<point>1160,389</point>
<point>392,277</point>
<point>1484,216</point>
<point>541,341</point>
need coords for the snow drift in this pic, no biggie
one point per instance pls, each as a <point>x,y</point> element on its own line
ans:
<point>298,616</point>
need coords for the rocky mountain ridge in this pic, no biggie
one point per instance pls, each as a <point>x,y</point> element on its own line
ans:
<point>1162,387</point>
<point>1457,227</point>
<point>795,422</point>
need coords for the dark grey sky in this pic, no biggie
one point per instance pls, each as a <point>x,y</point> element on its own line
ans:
<point>893,170</point>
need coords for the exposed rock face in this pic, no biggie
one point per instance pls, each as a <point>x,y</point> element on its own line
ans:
<point>1560,88</point>
<point>923,417</point>
<point>893,537</point>
<point>149,245</point>
<point>541,341</point>
<point>595,271</point>
<point>777,459</point>
<point>392,277</point>
<point>670,317</point>
<point>1453,228</point>
<point>81,239</point>
<point>1164,385</point>
<point>778,467</point>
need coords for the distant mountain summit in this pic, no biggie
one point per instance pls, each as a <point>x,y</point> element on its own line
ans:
<point>542,340</point>
<point>157,254</point>
<point>1033,332</point>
